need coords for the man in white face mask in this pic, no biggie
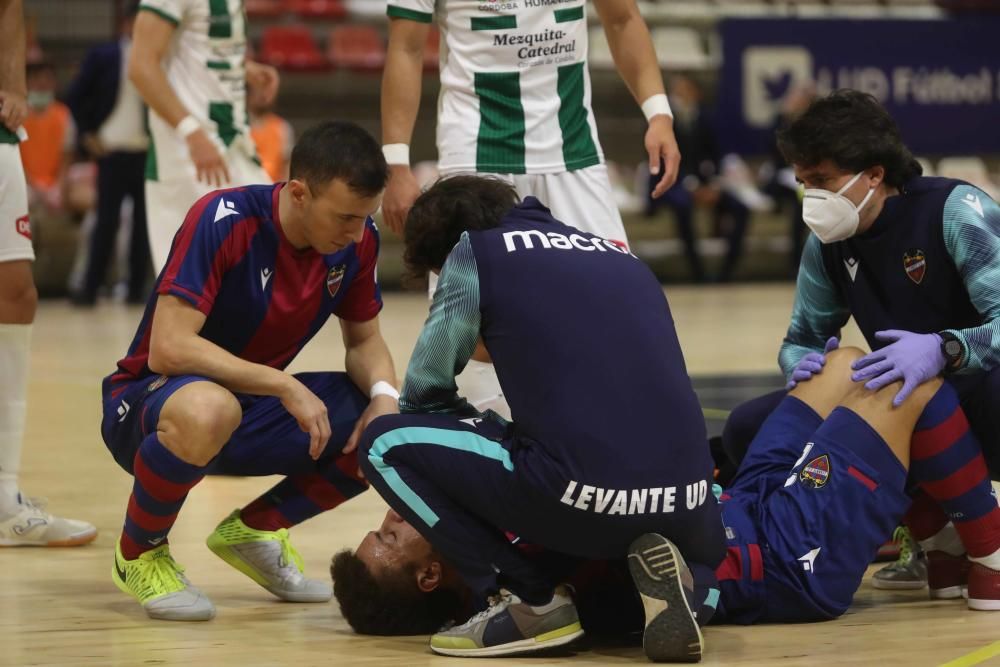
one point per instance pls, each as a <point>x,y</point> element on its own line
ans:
<point>915,261</point>
<point>835,216</point>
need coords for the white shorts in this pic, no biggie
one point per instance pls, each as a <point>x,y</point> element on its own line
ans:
<point>581,198</point>
<point>15,230</point>
<point>169,200</point>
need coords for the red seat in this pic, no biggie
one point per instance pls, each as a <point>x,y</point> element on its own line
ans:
<point>356,47</point>
<point>264,9</point>
<point>331,10</point>
<point>432,52</point>
<point>291,47</point>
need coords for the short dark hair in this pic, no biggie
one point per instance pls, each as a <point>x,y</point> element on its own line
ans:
<point>339,150</point>
<point>392,606</point>
<point>454,204</point>
<point>852,130</point>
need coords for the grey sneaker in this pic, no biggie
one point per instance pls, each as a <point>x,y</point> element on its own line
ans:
<point>268,558</point>
<point>909,571</point>
<point>665,583</point>
<point>510,626</point>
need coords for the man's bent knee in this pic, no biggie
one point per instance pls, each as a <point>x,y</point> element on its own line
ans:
<point>197,421</point>
<point>842,358</point>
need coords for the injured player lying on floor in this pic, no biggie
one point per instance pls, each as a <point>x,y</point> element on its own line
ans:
<point>824,484</point>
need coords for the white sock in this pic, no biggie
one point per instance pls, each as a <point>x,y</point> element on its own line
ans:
<point>946,540</point>
<point>15,344</point>
<point>993,560</point>
<point>480,386</point>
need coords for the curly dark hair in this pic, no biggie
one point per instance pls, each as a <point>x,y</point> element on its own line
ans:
<point>454,204</point>
<point>390,606</point>
<point>852,130</point>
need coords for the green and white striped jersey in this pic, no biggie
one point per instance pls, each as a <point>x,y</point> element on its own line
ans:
<point>206,68</point>
<point>515,90</point>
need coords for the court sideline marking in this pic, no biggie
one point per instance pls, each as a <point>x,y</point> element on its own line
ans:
<point>977,657</point>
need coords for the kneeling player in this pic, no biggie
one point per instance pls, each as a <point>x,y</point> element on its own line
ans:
<point>608,440</point>
<point>823,485</point>
<point>253,275</point>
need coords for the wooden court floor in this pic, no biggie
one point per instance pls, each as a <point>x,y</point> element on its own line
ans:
<point>59,607</point>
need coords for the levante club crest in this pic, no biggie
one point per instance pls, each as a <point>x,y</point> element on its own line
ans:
<point>915,263</point>
<point>816,473</point>
<point>334,278</point>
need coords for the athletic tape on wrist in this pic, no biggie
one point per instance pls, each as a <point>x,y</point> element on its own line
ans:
<point>656,105</point>
<point>383,388</point>
<point>188,126</point>
<point>396,153</point>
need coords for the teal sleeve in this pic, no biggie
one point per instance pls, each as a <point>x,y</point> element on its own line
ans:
<point>972,237</point>
<point>818,312</point>
<point>448,339</point>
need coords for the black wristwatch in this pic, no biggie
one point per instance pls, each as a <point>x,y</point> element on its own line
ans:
<point>953,351</point>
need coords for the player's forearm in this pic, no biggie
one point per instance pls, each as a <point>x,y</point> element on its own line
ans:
<point>194,355</point>
<point>634,55</point>
<point>146,72</point>
<point>401,86</point>
<point>12,46</point>
<point>369,362</point>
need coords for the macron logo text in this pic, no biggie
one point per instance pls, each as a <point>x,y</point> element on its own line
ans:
<point>530,239</point>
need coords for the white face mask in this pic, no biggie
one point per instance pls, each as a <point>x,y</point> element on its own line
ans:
<point>830,215</point>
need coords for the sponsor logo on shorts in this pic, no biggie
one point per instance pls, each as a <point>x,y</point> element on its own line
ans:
<point>334,278</point>
<point>23,227</point>
<point>915,263</point>
<point>809,560</point>
<point>816,473</point>
<point>156,384</point>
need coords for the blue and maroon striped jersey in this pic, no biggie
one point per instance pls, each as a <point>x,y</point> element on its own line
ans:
<point>263,298</point>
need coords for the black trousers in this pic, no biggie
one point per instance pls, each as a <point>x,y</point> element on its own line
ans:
<point>467,486</point>
<point>119,175</point>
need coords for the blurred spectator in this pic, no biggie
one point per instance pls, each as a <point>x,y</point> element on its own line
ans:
<point>110,117</point>
<point>778,178</point>
<point>51,137</point>
<point>272,134</point>
<point>697,181</point>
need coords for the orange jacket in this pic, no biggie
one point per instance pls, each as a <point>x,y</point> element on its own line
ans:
<point>44,151</point>
<point>273,136</point>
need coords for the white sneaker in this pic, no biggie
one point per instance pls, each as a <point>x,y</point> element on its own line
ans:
<point>30,525</point>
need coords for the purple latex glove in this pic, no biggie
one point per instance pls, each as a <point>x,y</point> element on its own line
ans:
<point>911,357</point>
<point>812,363</point>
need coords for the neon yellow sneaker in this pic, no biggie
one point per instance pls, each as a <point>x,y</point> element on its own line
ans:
<point>158,583</point>
<point>268,558</point>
